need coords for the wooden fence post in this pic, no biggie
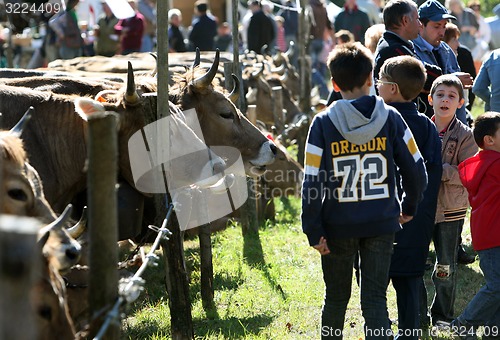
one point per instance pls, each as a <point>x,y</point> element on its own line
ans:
<point>103,220</point>
<point>176,278</point>
<point>19,260</point>
<point>206,267</point>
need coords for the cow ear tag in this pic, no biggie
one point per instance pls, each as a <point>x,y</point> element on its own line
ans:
<point>101,99</point>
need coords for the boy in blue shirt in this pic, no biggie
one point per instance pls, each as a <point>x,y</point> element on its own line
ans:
<point>401,79</point>
<point>349,201</point>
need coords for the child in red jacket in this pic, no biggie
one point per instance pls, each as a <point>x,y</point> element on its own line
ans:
<point>480,174</point>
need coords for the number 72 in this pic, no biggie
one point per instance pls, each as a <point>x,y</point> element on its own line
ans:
<point>365,174</point>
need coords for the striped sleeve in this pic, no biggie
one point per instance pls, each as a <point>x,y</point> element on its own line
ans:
<point>411,145</point>
<point>313,159</point>
<point>410,166</point>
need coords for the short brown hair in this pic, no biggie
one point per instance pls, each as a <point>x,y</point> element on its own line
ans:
<point>485,124</point>
<point>373,35</point>
<point>451,31</point>
<point>406,71</point>
<point>448,80</point>
<point>350,65</point>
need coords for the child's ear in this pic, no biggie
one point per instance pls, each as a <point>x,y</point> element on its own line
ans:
<point>335,86</point>
<point>488,140</point>
<point>369,81</point>
<point>429,97</point>
<point>461,103</point>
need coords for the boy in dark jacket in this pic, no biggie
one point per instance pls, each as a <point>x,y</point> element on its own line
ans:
<point>480,175</point>
<point>349,201</point>
<point>401,79</point>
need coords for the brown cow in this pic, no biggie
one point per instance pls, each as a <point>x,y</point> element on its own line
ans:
<point>260,93</point>
<point>21,194</point>
<point>64,85</point>
<point>55,139</point>
<point>49,301</point>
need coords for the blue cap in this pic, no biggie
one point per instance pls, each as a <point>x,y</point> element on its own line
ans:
<point>434,11</point>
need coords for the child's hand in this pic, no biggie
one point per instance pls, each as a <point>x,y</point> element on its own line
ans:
<point>322,247</point>
<point>403,218</point>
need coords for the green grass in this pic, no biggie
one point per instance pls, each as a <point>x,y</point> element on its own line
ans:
<point>267,286</point>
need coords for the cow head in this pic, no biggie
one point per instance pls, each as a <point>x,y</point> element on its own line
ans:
<point>260,93</point>
<point>284,176</point>
<point>221,122</point>
<point>189,162</point>
<point>61,250</point>
<point>48,300</point>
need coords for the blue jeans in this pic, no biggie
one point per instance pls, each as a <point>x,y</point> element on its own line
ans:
<point>375,260</point>
<point>408,300</point>
<point>446,238</point>
<point>484,308</point>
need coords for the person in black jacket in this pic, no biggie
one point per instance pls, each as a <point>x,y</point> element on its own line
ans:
<point>175,37</point>
<point>260,30</point>
<point>204,29</point>
<point>400,81</point>
<point>402,25</point>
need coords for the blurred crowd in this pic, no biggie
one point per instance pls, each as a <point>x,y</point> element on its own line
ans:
<point>264,27</point>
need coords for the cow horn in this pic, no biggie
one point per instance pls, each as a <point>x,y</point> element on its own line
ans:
<point>197,58</point>
<point>284,77</point>
<point>131,96</point>
<point>78,229</point>
<point>258,72</point>
<point>263,49</point>
<point>17,130</point>
<point>279,70</point>
<point>62,219</point>
<point>206,79</point>
<point>277,57</point>
<point>235,93</point>
<point>155,71</point>
<point>291,50</point>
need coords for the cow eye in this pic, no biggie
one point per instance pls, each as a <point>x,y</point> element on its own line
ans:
<point>45,312</point>
<point>227,115</point>
<point>18,194</point>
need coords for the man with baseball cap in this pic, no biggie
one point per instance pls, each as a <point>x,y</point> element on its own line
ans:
<point>431,48</point>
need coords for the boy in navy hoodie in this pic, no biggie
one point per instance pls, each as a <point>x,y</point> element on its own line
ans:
<point>349,200</point>
<point>401,79</point>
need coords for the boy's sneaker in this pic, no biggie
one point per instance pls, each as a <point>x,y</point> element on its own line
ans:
<point>463,331</point>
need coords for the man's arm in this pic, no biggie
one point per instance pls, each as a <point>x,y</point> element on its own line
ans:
<point>481,87</point>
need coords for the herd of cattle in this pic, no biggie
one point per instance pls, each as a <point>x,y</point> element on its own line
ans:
<point>59,101</point>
